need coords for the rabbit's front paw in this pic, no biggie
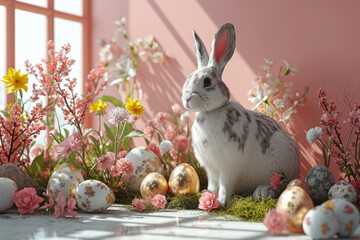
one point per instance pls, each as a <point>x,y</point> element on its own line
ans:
<point>265,191</point>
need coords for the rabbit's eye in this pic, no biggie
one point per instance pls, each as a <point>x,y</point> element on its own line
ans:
<point>207,82</point>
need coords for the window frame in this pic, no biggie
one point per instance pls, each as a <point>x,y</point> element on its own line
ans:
<point>50,13</point>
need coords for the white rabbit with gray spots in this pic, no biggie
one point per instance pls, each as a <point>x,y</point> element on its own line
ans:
<point>238,148</point>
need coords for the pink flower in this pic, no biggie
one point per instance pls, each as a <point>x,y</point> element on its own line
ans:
<point>27,201</point>
<point>159,201</point>
<point>72,143</point>
<point>50,204</point>
<point>160,117</point>
<point>180,143</point>
<point>125,166</point>
<point>60,206</point>
<point>208,201</point>
<point>118,115</point>
<point>177,109</point>
<point>170,133</point>
<point>331,118</point>
<point>275,180</point>
<point>105,161</point>
<point>275,222</point>
<point>148,130</point>
<point>115,171</point>
<point>122,154</point>
<point>70,206</point>
<point>354,117</point>
<point>138,204</point>
<point>154,148</point>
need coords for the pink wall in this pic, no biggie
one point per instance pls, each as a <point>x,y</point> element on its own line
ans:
<point>320,37</point>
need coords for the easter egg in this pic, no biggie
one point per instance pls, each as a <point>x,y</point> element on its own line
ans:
<point>300,183</point>
<point>153,184</point>
<point>320,223</point>
<point>319,180</point>
<point>94,196</point>
<point>294,202</point>
<point>343,190</point>
<point>8,189</point>
<point>184,180</point>
<point>65,179</point>
<point>144,162</point>
<point>346,214</point>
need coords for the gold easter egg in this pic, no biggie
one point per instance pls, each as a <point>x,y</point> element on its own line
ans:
<point>153,184</point>
<point>184,180</point>
<point>300,183</point>
<point>294,202</point>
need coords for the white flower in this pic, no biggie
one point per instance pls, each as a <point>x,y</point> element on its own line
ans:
<point>158,57</point>
<point>290,66</point>
<point>149,39</point>
<point>314,134</point>
<point>121,22</point>
<point>185,117</point>
<point>123,70</point>
<point>268,61</point>
<point>106,54</point>
<point>118,115</point>
<point>165,146</point>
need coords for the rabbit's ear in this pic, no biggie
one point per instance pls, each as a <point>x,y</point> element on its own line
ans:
<point>223,46</point>
<point>202,55</point>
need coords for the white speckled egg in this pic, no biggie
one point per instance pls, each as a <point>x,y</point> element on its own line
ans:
<point>319,180</point>
<point>8,189</point>
<point>94,196</point>
<point>144,162</point>
<point>320,223</point>
<point>343,190</point>
<point>65,179</point>
<point>347,215</point>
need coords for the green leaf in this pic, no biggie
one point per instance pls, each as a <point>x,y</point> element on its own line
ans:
<point>135,133</point>
<point>66,132</point>
<point>325,156</point>
<point>55,138</point>
<point>116,102</point>
<point>37,164</point>
<point>109,132</point>
<point>287,71</point>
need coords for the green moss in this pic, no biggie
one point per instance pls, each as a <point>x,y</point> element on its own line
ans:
<point>183,202</point>
<point>125,197</point>
<point>247,209</point>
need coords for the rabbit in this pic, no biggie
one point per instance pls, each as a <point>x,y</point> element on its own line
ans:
<point>239,148</point>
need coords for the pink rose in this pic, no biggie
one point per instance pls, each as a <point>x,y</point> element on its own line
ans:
<point>208,201</point>
<point>140,206</point>
<point>115,170</point>
<point>159,201</point>
<point>275,180</point>
<point>27,201</point>
<point>275,222</point>
<point>154,148</point>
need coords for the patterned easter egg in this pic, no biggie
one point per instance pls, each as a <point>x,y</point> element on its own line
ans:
<point>319,180</point>
<point>343,190</point>
<point>347,215</point>
<point>144,162</point>
<point>294,202</point>
<point>8,189</point>
<point>320,223</point>
<point>65,179</point>
<point>300,183</point>
<point>94,196</point>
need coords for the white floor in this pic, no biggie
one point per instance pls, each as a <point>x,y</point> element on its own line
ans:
<point>120,223</point>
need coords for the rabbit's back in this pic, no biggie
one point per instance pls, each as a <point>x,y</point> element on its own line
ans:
<point>245,145</point>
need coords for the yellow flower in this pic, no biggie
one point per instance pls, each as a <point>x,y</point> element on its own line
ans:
<point>9,106</point>
<point>15,81</point>
<point>134,107</point>
<point>24,116</point>
<point>99,106</point>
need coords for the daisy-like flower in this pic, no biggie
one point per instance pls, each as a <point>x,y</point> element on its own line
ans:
<point>15,81</point>
<point>98,107</point>
<point>314,134</point>
<point>134,107</point>
<point>118,115</point>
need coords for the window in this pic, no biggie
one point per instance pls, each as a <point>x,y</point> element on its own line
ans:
<point>27,25</point>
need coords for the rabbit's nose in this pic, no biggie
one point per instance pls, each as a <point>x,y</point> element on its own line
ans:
<point>187,96</point>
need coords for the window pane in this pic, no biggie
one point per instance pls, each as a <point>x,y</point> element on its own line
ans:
<point>69,6</point>
<point>70,32</point>
<point>2,57</point>
<point>30,43</point>
<point>41,3</point>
